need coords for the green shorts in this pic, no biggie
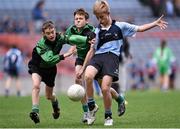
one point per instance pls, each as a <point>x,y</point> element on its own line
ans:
<point>163,69</point>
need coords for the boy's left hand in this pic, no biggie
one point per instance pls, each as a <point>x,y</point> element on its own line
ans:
<point>161,23</point>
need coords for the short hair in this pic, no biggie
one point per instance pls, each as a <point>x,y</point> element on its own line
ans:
<point>13,46</point>
<point>81,11</point>
<point>163,43</point>
<point>40,3</point>
<point>47,24</point>
<point>101,6</point>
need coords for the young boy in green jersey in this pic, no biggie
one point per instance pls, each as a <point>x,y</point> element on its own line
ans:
<point>164,57</point>
<point>43,68</point>
<point>81,27</point>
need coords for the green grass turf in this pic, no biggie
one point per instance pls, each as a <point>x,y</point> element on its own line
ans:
<point>145,109</point>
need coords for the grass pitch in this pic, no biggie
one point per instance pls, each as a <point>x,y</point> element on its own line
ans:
<point>145,109</point>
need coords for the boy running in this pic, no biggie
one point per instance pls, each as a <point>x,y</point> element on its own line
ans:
<point>105,63</point>
<point>43,68</point>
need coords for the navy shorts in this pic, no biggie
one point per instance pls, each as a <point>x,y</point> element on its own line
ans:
<point>106,64</point>
<point>79,61</point>
<point>14,73</point>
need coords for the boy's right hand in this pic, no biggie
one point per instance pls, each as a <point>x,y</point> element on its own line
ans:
<point>91,36</point>
<point>92,41</point>
<point>71,51</point>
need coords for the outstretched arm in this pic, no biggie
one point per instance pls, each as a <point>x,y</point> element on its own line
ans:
<point>71,51</point>
<point>159,22</point>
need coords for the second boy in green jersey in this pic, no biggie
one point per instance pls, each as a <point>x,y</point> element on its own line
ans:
<point>82,27</point>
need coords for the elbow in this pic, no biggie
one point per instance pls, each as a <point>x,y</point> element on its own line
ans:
<point>48,61</point>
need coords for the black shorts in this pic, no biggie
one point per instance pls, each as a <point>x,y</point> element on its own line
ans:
<point>48,75</point>
<point>106,64</point>
<point>79,61</point>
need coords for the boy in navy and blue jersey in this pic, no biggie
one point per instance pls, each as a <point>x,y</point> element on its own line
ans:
<point>12,63</point>
<point>105,62</point>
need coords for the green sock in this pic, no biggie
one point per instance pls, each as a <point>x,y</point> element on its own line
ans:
<point>85,107</point>
<point>35,108</point>
<point>120,99</point>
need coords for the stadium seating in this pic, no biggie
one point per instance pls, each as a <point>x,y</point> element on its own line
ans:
<point>121,9</point>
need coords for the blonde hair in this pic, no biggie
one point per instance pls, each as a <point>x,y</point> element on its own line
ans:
<point>101,6</point>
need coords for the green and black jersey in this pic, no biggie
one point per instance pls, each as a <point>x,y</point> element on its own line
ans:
<point>46,53</point>
<point>82,48</point>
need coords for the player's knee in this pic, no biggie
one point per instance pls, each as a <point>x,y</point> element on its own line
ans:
<point>105,90</point>
<point>36,87</point>
<point>88,78</point>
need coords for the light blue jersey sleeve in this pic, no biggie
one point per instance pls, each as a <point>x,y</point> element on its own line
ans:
<point>128,30</point>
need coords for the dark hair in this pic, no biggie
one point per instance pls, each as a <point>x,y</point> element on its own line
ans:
<point>40,3</point>
<point>13,46</point>
<point>163,43</point>
<point>47,24</point>
<point>81,11</point>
